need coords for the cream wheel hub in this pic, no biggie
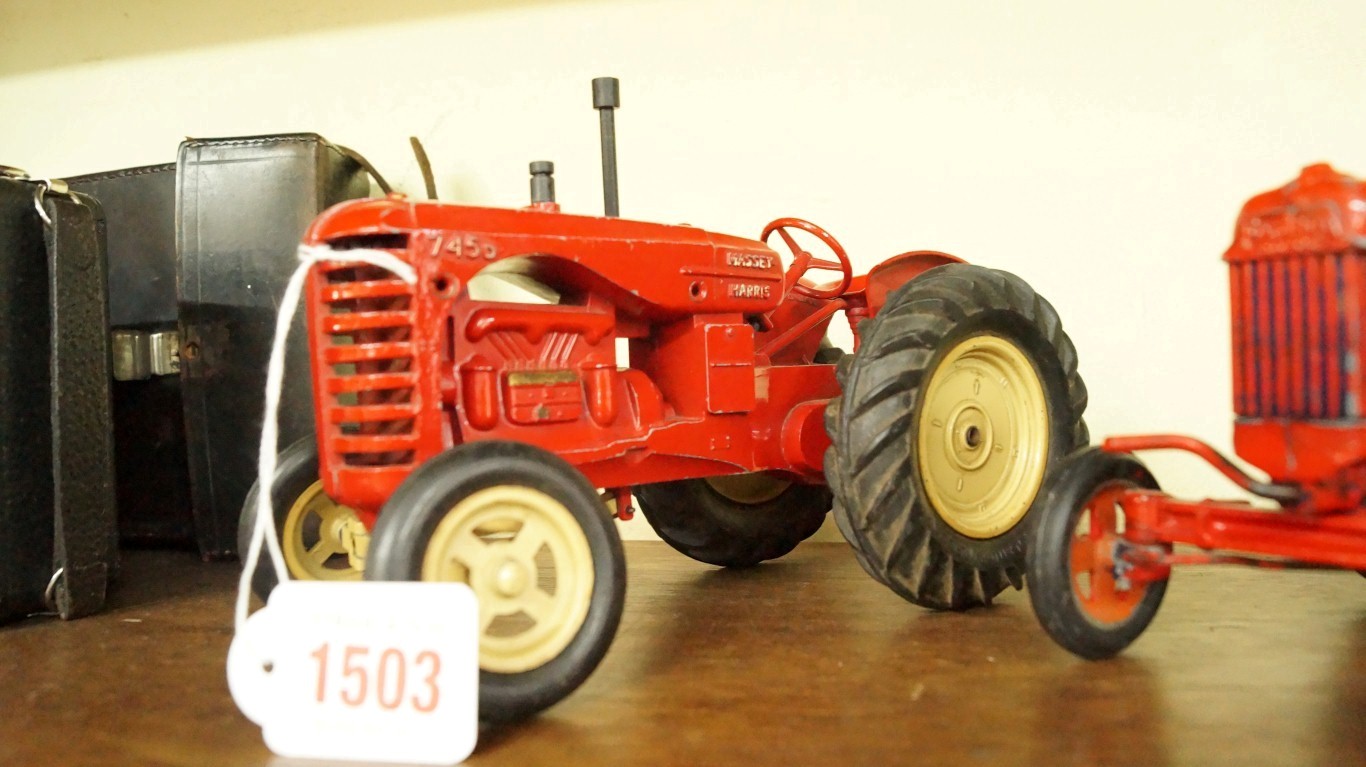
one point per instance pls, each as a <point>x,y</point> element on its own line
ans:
<point>983,436</point>
<point>969,436</point>
<point>510,578</point>
<point>528,562</point>
<point>323,540</point>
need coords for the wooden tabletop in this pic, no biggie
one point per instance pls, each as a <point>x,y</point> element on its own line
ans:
<point>801,661</point>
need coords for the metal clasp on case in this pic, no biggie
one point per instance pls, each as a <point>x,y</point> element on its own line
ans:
<point>141,354</point>
<point>46,186</point>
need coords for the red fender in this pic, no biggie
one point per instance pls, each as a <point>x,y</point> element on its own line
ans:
<point>895,272</point>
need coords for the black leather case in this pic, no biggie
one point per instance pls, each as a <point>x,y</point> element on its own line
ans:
<point>56,447</point>
<point>153,478</point>
<point>25,433</point>
<point>242,207</point>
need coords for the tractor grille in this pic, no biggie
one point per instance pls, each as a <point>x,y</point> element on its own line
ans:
<point>368,374</point>
<point>1296,336</point>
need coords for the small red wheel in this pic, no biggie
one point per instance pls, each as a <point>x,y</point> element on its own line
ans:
<point>802,261</point>
<point>1072,572</point>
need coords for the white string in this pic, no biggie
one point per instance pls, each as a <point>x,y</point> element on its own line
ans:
<point>264,532</point>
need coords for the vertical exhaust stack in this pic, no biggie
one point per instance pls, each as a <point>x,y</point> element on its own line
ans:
<point>607,97</point>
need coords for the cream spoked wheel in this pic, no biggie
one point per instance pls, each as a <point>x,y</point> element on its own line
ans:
<point>529,564</point>
<point>531,537</point>
<point>320,538</point>
<point>983,436</point>
<point>323,540</point>
<point>961,398</point>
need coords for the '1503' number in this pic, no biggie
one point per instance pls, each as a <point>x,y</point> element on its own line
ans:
<point>383,675</point>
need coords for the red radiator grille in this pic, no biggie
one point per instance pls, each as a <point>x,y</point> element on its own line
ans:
<point>368,372</point>
<point>1296,336</point>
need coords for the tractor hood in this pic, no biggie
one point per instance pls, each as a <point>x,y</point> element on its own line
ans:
<point>645,268</point>
<point>1322,211</point>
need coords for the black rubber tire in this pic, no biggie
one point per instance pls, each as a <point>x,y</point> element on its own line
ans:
<point>691,516</point>
<point>842,521</point>
<point>295,471</point>
<point>410,517</point>
<point>1067,493</point>
<point>872,467</point>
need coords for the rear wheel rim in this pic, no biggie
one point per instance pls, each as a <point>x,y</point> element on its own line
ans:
<point>1103,599</point>
<point>530,565</point>
<point>749,489</point>
<point>983,438</point>
<point>321,539</point>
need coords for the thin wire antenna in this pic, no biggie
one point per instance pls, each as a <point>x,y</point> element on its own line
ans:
<point>367,167</point>
<point>424,165</point>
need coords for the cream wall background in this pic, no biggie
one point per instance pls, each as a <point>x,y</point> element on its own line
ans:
<point>1100,150</point>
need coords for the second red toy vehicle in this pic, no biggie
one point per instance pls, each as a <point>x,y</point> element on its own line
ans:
<point>1105,542</point>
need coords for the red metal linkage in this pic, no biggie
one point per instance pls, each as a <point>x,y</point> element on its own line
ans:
<point>785,338</point>
<point>622,496</point>
<point>1130,444</point>
<point>1338,540</point>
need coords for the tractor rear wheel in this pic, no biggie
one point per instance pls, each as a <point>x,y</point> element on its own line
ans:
<point>738,520</point>
<point>962,397</point>
<point>534,541</point>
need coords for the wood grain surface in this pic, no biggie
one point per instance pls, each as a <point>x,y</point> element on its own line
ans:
<point>801,661</point>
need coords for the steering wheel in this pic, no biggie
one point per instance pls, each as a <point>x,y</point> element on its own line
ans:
<point>802,262</point>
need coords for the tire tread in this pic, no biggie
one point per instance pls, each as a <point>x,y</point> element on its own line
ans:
<point>870,466</point>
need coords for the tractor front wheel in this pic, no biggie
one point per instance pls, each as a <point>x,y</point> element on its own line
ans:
<point>961,398</point>
<point>737,520</point>
<point>1078,594</point>
<point>321,539</point>
<point>531,537</point>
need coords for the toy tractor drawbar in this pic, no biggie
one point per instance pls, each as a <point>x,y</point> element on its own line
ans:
<point>491,441</point>
<point>1103,549</point>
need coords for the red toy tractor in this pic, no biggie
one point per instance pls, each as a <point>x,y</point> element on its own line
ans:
<point>464,438</point>
<point>1103,548</point>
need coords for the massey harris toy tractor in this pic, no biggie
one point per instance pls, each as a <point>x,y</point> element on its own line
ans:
<point>492,441</point>
<point>1103,549</point>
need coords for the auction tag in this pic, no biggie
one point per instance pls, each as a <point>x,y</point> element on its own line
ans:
<point>372,671</point>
